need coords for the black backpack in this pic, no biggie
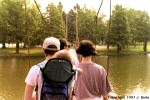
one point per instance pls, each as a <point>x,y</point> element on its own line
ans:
<point>56,74</point>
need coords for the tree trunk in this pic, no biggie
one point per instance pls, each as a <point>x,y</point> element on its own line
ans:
<point>3,45</point>
<point>145,45</point>
<point>134,43</point>
<point>17,47</point>
<point>24,46</point>
<point>102,42</point>
<point>118,48</point>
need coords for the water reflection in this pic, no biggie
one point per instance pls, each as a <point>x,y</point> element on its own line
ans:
<point>13,71</point>
<point>139,91</point>
<point>129,74</point>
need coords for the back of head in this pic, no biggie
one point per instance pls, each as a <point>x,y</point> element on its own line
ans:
<point>63,43</point>
<point>51,45</point>
<point>86,48</point>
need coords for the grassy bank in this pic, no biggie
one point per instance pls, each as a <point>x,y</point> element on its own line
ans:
<point>102,50</point>
<point>138,49</point>
<point>22,52</point>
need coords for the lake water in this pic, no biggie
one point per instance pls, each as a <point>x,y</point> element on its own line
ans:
<point>129,75</point>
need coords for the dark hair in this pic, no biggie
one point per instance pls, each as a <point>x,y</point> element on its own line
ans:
<point>51,50</point>
<point>63,43</point>
<point>86,48</point>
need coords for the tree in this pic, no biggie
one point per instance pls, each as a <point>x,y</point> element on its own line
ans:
<point>87,27</point>
<point>101,30</point>
<point>131,17</point>
<point>33,22</point>
<point>54,21</point>
<point>21,21</point>
<point>143,28</point>
<point>71,26</point>
<point>139,26</point>
<point>13,15</point>
<point>5,36</point>
<point>119,28</point>
<point>86,23</point>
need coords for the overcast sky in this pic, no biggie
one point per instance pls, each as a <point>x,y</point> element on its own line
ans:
<point>68,4</point>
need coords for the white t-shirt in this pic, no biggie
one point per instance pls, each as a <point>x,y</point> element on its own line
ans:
<point>34,77</point>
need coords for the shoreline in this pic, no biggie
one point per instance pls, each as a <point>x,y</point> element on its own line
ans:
<point>98,54</point>
<point>38,52</point>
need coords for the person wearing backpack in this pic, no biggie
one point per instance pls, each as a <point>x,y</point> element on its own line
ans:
<point>50,46</point>
<point>64,54</point>
<point>92,82</point>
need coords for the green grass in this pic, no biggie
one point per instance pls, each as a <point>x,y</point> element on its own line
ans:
<point>37,51</point>
<point>22,52</point>
<point>138,49</point>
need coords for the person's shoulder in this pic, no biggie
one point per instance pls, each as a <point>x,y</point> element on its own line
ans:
<point>99,66</point>
<point>41,64</point>
<point>34,68</point>
<point>37,66</point>
<point>101,69</point>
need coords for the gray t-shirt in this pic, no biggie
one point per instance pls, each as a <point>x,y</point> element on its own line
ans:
<point>92,82</point>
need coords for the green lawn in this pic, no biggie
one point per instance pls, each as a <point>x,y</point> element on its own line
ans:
<point>37,51</point>
<point>22,52</point>
<point>128,50</point>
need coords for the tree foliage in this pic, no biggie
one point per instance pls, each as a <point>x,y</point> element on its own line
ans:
<point>139,25</point>
<point>54,21</point>
<point>119,28</point>
<point>21,22</point>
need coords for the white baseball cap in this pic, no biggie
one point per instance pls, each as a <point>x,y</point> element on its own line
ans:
<point>51,41</point>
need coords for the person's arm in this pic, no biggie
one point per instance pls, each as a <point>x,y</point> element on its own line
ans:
<point>106,89</point>
<point>29,93</point>
<point>31,82</point>
<point>105,97</point>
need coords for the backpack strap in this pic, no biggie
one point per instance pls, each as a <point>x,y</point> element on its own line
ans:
<point>40,65</point>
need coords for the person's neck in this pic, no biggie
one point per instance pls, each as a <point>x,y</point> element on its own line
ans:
<point>48,57</point>
<point>87,59</point>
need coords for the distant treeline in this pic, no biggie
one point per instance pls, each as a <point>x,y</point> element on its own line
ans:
<point>21,22</point>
